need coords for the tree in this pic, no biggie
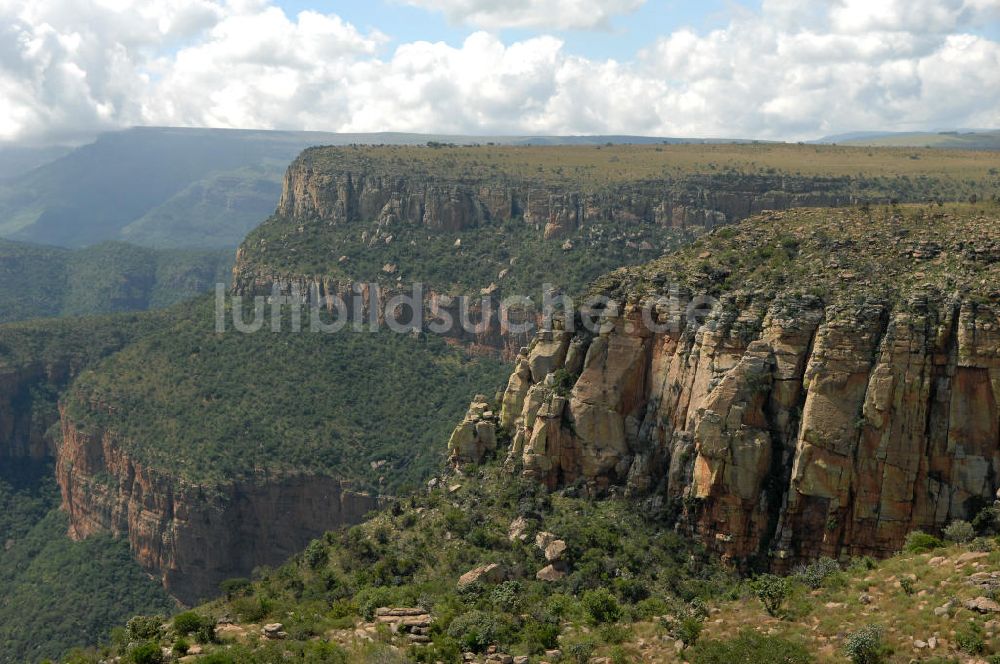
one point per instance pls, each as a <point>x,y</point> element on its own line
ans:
<point>772,591</point>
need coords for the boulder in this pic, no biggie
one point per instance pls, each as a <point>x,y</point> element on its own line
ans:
<point>491,573</point>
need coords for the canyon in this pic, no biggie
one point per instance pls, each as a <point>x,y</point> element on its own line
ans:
<point>788,426</point>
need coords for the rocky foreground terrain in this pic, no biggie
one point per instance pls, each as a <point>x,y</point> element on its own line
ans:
<point>842,393</point>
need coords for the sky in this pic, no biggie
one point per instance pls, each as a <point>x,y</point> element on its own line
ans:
<point>766,69</point>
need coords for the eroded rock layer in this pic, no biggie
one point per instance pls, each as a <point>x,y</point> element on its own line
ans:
<point>195,536</point>
<point>831,403</point>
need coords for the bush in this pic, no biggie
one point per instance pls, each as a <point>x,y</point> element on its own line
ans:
<point>601,606</point>
<point>970,639</point>
<point>959,532</point>
<point>688,629</point>
<point>477,630</point>
<point>581,651</point>
<point>920,542</point>
<point>188,622</point>
<point>906,583</point>
<point>181,647</point>
<point>234,586</point>
<point>614,634</point>
<point>815,574</point>
<point>749,646</point>
<point>146,653</point>
<point>143,628</point>
<point>865,645</point>
<point>772,591</point>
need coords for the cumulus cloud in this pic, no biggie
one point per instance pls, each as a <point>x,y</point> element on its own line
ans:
<point>545,14</point>
<point>793,70</point>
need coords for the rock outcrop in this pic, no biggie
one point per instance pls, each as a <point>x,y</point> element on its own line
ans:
<point>195,536</point>
<point>788,424</point>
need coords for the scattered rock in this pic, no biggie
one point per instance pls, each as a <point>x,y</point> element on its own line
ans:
<point>273,631</point>
<point>983,605</point>
<point>491,573</point>
<point>550,573</point>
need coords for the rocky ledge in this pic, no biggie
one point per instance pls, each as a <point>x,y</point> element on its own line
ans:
<point>195,536</point>
<point>843,392</point>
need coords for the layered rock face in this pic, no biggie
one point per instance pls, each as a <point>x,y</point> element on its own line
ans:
<point>349,191</point>
<point>195,536</point>
<point>788,424</point>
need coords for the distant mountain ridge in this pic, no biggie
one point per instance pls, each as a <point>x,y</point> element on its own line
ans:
<point>963,139</point>
<point>184,187</point>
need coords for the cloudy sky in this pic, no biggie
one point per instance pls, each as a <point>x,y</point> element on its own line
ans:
<point>789,69</point>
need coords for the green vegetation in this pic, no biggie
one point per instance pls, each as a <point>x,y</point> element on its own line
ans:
<point>592,167</point>
<point>514,249</point>
<point>42,281</point>
<point>58,593</point>
<point>213,407</point>
<point>926,249</point>
<point>413,553</point>
<point>751,647</point>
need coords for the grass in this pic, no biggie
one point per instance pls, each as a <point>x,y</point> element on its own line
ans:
<point>594,167</point>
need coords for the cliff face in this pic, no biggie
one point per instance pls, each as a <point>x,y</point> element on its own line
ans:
<point>348,193</point>
<point>193,536</point>
<point>337,188</point>
<point>26,414</point>
<point>787,425</point>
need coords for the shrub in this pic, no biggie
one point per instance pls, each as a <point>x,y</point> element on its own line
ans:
<point>539,635</point>
<point>906,583</point>
<point>181,647</point>
<point>187,623</point>
<point>234,586</point>
<point>688,629</point>
<point>251,609</point>
<point>477,630</point>
<point>865,645</point>
<point>614,633</point>
<point>146,653</point>
<point>581,651</point>
<point>506,596</point>
<point>815,574</point>
<point>959,531</point>
<point>920,542</point>
<point>601,606</point>
<point>315,554</point>
<point>987,522</point>
<point>772,591</point>
<point>143,628</point>
<point>749,646</point>
<point>970,639</point>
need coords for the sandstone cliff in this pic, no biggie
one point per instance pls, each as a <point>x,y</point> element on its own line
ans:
<point>195,536</point>
<point>842,393</point>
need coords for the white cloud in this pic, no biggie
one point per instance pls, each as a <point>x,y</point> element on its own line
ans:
<point>544,14</point>
<point>794,70</point>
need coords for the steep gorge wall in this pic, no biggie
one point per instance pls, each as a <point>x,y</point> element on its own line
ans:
<point>344,196</point>
<point>781,430</point>
<point>195,536</point>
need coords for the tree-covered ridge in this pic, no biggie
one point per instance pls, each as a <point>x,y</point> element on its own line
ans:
<point>42,281</point>
<point>878,252</point>
<point>210,407</point>
<point>56,593</point>
<point>511,255</point>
